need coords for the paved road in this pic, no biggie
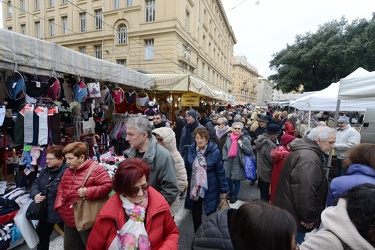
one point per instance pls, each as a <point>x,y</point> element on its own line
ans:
<point>183,220</point>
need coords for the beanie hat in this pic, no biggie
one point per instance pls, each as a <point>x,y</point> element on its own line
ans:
<point>232,114</point>
<point>286,139</point>
<point>273,129</point>
<point>193,113</point>
<point>343,119</point>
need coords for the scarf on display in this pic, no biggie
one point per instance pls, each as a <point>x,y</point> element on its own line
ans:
<point>234,148</point>
<point>199,176</point>
<point>189,128</point>
<point>133,234</point>
<point>221,131</point>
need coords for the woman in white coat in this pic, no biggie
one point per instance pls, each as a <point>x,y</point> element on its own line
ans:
<point>166,138</point>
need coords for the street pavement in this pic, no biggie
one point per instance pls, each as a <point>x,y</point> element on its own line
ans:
<point>183,220</point>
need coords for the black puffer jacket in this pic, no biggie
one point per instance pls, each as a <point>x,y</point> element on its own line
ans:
<point>302,187</point>
<point>39,185</point>
<point>214,232</point>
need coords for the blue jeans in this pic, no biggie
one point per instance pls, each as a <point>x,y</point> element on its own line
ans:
<point>300,237</point>
<point>237,185</point>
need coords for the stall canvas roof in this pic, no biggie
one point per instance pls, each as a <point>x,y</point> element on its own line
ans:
<point>186,83</point>
<point>32,55</point>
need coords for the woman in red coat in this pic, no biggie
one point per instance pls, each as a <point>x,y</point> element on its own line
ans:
<point>278,155</point>
<point>70,190</point>
<point>137,216</point>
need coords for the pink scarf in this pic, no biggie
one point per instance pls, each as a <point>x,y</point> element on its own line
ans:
<point>233,148</point>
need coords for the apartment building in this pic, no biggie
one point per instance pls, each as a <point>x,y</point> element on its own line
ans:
<point>265,92</point>
<point>151,36</point>
<point>245,80</point>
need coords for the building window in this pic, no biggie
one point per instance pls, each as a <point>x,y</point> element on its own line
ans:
<point>98,51</point>
<point>37,4</point>
<point>37,30</point>
<point>82,22</point>
<point>82,49</point>
<point>23,6</point>
<point>204,42</point>
<point>98,19</point>
<point>187,17</point>
<point>129,3</point>
<point>10,8</point>
<point>64,1</point>
<point>51,24</point>
<point>10,28</point>
<point>121,62</point>
<point>122,34</point>
<point>51,3</point>
<point>149,49</point>
<point>117,4</point>
<point>150,10</point>
<point>64,24</point>
<point>23,29</point>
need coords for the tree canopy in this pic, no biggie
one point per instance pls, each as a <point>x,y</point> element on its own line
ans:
<point>316,60</point>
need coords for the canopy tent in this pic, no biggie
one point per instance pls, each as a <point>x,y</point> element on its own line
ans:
<point>34,56</point>
<point>359,88</point>
<point>326,99</point>
<point>179,83</point>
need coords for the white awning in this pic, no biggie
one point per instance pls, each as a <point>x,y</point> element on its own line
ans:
<point>32,55</point>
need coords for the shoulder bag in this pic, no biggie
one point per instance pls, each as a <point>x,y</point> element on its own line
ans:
<point>86,211</point>
<point>37,211</point>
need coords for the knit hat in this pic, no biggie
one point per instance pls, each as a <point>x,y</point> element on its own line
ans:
<point>343,119</point>
<point>232,114</point>
<point>273,129</point>
<point>193,113</point>
<point>286,139</point>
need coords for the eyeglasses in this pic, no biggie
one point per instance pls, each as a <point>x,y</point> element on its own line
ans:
<point>237,128</point>
<point>135,190</point>
<point>50,159</point>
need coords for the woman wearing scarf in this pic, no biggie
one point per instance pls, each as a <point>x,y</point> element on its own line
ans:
<point>206,176</point>
<point>136,216</point>
<point>234,149</point>
<point>221,132</point>
<point>187,133</point>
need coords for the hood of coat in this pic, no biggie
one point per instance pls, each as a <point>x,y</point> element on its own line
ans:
<point>305,143</point>
<point>168,136</point>
<point>361,169</point>
<point>264,139</point>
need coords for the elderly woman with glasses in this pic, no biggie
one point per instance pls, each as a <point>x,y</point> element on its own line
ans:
<point>236,145</point>
<point>206,176</point>
<point>136,216</point>
<point>49,178</point>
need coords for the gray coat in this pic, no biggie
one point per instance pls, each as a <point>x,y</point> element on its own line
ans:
<point>163,173</point>
<point>214,232</point>
<point>264,146</point>
<point>234,167</point>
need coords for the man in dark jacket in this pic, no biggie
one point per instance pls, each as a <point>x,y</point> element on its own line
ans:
<point>210,126</point>
<point>265,144</point>
<point>302,187</point>
<point>187,133</point>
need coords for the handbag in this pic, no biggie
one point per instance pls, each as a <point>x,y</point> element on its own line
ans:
<point>250,167</point>
<point>223,204</point>
<point>86,211</point>
<point>37,211</point>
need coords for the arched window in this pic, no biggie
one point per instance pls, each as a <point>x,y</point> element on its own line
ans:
<point>122,34</point>
<point>10,8</point>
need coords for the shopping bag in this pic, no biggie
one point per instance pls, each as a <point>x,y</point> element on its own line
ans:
<point>26,227</point>
<point>250,167</point>
<point>36,211</point>
<point>86,211</point>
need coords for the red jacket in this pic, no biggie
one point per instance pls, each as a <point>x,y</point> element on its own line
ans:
<point>289,128</point>
<point>98,186</point>
<point>160,226</point>
<point>278,155</point>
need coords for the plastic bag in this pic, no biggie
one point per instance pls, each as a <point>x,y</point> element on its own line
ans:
<point>26,227</point>
<point>250,167</point>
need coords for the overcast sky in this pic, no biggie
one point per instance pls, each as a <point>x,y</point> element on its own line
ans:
<point>264,27</point>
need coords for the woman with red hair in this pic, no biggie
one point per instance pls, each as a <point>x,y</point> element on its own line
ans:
<point>136,216</point>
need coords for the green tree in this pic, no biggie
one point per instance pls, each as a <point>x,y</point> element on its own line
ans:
<point>315,60</point>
